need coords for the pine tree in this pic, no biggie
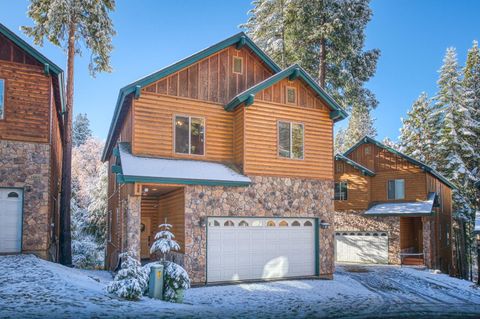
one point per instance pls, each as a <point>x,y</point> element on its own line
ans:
<point>360,125</point>
<point>131,281</point>
<point>164,241</point>
<point>339,143</point>
<point>417,131</point>
<point>81,130</point>
<point>66,23</point>
<point>388,142</point>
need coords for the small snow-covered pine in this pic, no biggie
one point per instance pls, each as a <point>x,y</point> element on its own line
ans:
<point>131,281</point>
<point>164,241</point>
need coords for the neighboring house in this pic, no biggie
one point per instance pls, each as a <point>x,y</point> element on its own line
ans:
<point>391,208</point>
<point>31,105</point>
<point>236,154</point>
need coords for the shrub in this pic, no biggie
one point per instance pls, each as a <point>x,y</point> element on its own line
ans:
<point>131,281</point>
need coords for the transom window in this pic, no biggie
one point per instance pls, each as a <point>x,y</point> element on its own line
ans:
<point>290,140</point>
<point>12,195</point>
<point>396,189</point>
<point>291,95</point>
<point>237,65</point>
<point>341,191</point>
<point>189,135</point>
<point>2,99</point>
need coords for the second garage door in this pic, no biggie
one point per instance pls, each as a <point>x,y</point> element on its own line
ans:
<point>10,220</point>
<point>361,247</point>
<point>259,248</point>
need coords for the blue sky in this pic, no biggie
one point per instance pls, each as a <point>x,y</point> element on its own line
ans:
<point>412,35</point>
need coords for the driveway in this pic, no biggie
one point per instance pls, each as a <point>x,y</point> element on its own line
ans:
<point>33,288</point>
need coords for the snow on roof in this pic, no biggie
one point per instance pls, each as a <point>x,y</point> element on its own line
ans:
<point>476,230</point>
<point>176,170</point>
<point>404,209</point>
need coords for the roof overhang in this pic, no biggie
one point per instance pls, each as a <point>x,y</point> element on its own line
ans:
<point>293,72</point>
<point>405,209</point>
<point>132,169</point>
<point>239,39</point>
<point>48,66</point>
<point>423,166</point>
<point>361,168</point>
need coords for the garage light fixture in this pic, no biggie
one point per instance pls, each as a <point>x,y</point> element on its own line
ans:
<point>324,225</point>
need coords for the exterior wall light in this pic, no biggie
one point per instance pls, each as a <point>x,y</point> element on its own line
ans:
<point>324,225</point>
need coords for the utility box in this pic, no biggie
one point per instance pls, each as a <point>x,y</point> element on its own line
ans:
<point>155,283</point>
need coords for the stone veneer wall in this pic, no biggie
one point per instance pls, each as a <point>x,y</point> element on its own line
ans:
<point>354,221</point>
<point>267,196</point>
<point>27,166</point>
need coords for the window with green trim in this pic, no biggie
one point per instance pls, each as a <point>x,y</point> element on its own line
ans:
<point>341,191</point>
<point>290,140</point>
<point>189,135</point>
<point>237,65</point>
<point>396,189</point>
<point>2,99</point>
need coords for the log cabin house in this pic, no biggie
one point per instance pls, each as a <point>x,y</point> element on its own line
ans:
<point>391,208</point>
<point>237,155</point>
<point>31,123</point>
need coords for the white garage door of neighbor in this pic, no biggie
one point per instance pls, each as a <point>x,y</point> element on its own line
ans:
<point>361,247</point>
<point>10,220</point>
<point>259,248</point>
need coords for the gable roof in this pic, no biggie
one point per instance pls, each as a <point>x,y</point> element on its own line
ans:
<point>240,39</point>
<point>293,72</point>
<point>425,167</point>
<point>49,66</point>
<point>356,165</point>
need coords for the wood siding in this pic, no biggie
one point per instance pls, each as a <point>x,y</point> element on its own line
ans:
<point>238,136</point>
<point>261,141</point>
<point>212,79</point>
<point>27,103</point>
<point>358,187</point>
<point>153,131</point>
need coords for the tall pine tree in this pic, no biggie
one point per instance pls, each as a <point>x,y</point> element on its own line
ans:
<point>361,124</point>
<point>81,130</point>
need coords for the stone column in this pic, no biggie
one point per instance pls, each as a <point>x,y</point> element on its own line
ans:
<point>427,240</point>
<point>132,219</point>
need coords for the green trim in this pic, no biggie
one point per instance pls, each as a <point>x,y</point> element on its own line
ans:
<point>48,65</point>
<point>145,81</point>
<point>250,99</point>
<point>294,71</point>
<point>116,169</point>
<point>241,43</point>
<point>317,246</point>
<point>138,91</point>
<point>116,152</point>
<point>361,168</point>
<point>182,181</point>
<point>425,167</point>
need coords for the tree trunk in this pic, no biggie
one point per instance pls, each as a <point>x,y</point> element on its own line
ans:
<point>65,256</point>
<point>283,32</point>
<point>322,66</point>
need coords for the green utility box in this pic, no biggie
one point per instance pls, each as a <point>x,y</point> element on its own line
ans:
<point>155,284</point>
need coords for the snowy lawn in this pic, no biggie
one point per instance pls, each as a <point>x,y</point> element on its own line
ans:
<point>30,287</point>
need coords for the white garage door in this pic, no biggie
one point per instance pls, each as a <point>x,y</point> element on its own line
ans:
<point>10,220</point>
<point>361,247</point>
<point>259,248</point>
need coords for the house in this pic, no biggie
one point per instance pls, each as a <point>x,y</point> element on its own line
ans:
<point>31,123</point>
<point>391,208</point>
<point>236,154</point>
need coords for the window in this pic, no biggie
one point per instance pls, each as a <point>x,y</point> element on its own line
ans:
<point>291,95</point>
<point>341,191</point>
<point>367,150</point>
<point>189,135</point>
<point>229,223</point>
<point>295,223</point>
<point>270,223</point>
<point>290,140</point>
<point>283,224</point>
<point>12,195</point>
<point>308,223</point>
<point>243,224</point>
<point>396,189</point>
<point>237,65</point>
<point>2,99</point>
<point>214,224</point>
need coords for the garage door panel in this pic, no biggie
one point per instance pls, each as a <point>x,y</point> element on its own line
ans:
<point>10,220</point>
<point>362,247</point>
<point>259,251</point>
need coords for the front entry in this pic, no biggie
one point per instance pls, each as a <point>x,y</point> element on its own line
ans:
<point>11,206</point>
<point>145,237</point>
<point>241,248</point>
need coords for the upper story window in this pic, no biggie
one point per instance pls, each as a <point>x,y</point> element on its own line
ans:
<point>237,65</point>
<point>189,135</point>
<point>396,189</point>
<point>2,99</point>
<point>291,95</point>
<point>341,191</point>
<point>290,140</point>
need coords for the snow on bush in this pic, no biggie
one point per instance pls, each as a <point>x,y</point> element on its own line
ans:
<point>86,253</point>
<point>131,282</point>
<point>164,241</point>
<point>175,279</point>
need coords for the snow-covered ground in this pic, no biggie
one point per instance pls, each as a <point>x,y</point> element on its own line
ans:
<point>30,287</point>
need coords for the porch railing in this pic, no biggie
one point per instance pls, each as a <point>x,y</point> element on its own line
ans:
<point>404,255</point>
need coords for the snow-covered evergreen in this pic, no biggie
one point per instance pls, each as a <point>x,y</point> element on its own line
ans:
<point>131,281</point>
<point>388,142</point>
<point>164,241</point>
<point>81,130</point>
<point>417,136</point>
<point>360,124</point>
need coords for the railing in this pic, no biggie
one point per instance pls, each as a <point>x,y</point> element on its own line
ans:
<point>403,255</point>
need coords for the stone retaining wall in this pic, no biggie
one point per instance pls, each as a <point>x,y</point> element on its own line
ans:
<point>267,196</point>
<point>27,166</point>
